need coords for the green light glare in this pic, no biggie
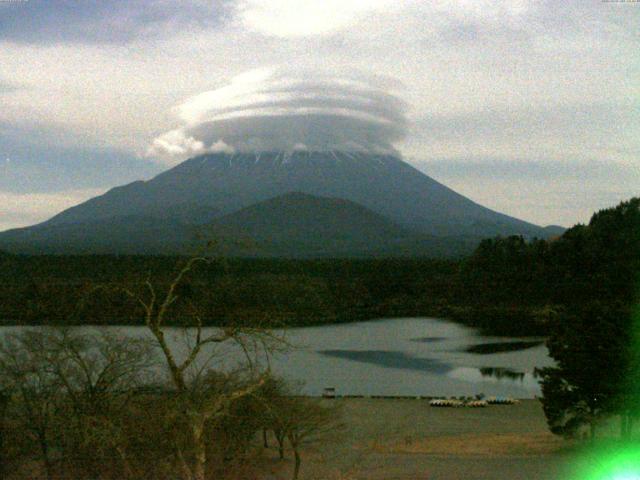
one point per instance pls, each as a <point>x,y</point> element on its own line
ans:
<point>613,462</point>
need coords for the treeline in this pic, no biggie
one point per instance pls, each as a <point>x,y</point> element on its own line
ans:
<point>599,260</point>
<point>87,289</point>
<point>595,338</point>
<point>538,280</point>
<point>507,286</point>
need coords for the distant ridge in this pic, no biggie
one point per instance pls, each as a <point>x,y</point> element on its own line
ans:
<point>301,225</point>
<point>294,225</point>
<point>553,231</point>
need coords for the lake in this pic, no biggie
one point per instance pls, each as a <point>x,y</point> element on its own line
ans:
<point>411,356</point>
<point>404,356</point>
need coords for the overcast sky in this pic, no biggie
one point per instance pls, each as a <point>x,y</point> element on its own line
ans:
<point>531,108</point>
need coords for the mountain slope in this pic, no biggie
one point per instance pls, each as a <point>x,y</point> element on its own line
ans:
<point>302,225</point>
<point>121,235</point>
<point>382,183</point>
<point>386,206</point>
<point>291,225</point>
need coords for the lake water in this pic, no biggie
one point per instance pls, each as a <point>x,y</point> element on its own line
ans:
<point>405,356</point>
<point>412,356</point>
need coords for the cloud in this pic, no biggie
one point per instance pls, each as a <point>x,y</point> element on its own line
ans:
<point>533,170</point>
<point>123,21</point>
<point>176,143</point>
<point>21,210</point>
<point>221,147</point>
<point>46,158</point>
<point>290,18</point>
<point>105,21</point>
<point>8,87</point>
<point>543,191</point>
<point>607,131</point>
<point>269,110</point>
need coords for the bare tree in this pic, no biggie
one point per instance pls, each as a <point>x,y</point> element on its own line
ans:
<point>274,396</point>
<point>4,401</point>
<point>71,390</point>
<point>300,420</point>
<point>311,421</point>
<point>100,374</point>
<point>197,406</point>
<point>33,388</point>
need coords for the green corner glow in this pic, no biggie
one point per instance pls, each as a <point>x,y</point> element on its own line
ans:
<point>611,463</point>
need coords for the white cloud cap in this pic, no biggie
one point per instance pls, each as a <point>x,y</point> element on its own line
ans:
<point>269,110</point>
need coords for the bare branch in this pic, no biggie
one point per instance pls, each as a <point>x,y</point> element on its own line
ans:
<point>170,298</point>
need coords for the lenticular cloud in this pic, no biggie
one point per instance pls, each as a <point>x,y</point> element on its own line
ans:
<point>269,111</point>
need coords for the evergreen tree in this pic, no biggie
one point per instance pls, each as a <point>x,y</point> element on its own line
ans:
<point>593,348</point>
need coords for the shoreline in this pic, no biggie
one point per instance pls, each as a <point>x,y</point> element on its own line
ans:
<point>478,328</point>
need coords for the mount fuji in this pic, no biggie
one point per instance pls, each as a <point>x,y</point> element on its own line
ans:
<point>299,204</point>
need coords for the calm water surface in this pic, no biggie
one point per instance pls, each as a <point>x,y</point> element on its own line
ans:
<point>405,356</point>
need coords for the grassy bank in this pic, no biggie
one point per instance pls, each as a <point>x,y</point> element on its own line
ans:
<point>408,439</point>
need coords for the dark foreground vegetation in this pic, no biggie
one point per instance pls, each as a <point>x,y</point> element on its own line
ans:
<point>507,286</point>
<point>595,338</point>
<point>90,406</point>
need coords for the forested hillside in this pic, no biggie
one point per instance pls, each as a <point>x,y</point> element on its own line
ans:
<point>86,289</point>
<point>508,285</point>
<point>598,262</point>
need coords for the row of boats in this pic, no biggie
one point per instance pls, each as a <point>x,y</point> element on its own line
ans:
<point>452,402</point>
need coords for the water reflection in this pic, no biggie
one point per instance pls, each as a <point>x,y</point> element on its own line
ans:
<point>496,375</point>
<point>502,373</point>
<point>428,339</point>
<point>499,347</point>
<point>391,359</point>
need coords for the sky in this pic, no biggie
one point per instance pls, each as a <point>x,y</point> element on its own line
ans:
<point>531,108</point>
